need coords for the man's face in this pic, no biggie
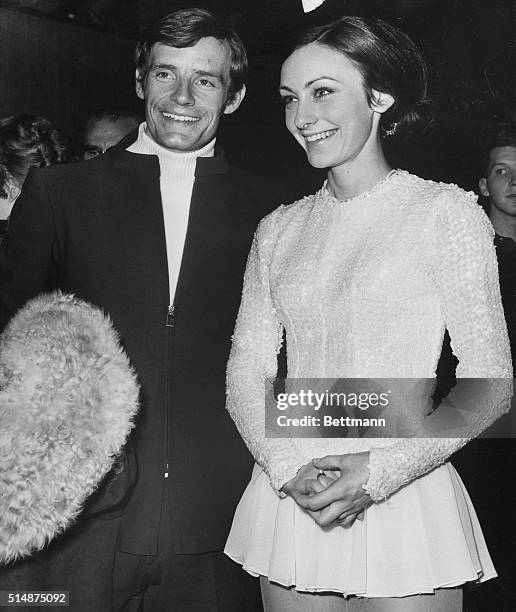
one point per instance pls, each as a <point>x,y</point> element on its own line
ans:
<point>105,134</point>
<point>186,93</point>
<point>500,184</point>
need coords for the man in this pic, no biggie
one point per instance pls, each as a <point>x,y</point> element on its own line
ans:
<point>498,185</point>
<point>105,129</point>
<point>487,466</point>
<point>156,232</point>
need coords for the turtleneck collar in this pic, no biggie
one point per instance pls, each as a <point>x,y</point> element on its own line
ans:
<point>127,158</point>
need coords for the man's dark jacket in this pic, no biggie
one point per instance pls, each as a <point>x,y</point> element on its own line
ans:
<point>96,229</point>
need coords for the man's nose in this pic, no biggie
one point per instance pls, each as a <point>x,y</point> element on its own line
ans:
<point>182,93</point>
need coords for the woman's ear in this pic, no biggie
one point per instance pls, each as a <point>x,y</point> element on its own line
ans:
<point>381,101</point>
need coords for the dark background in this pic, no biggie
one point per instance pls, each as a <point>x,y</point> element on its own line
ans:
<point>65,59</point>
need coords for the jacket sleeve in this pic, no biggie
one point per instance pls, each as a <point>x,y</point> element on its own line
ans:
<point>465,275</point>
<point>28,254</point>
<point>252,363</point>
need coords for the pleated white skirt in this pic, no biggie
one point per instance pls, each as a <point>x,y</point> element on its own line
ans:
<point>423,537</point>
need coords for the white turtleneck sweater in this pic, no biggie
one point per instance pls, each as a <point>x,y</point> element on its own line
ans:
<point>177,175</point>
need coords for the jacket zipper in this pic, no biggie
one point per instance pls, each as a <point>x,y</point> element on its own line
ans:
<point>169,322</point>
<point>171,315</point>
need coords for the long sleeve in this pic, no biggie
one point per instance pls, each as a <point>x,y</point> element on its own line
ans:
<point>465,275</point>
<point>252,363</point>
<point>27,254</point>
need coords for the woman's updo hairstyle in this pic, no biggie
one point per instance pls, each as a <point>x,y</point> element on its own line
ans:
<point>389,63</point>
<point>27,141</point>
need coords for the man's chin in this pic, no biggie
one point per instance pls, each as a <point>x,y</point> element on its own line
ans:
<point>178,143</point>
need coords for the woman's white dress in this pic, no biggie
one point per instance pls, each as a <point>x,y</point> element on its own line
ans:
<point>365,288</point>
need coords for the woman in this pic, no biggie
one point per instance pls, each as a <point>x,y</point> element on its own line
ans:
<point>364,276</point>
<point>26,141</point>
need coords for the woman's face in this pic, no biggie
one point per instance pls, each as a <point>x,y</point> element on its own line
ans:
<point>326,106</point>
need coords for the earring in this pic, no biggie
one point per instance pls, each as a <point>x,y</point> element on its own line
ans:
<point>392,129</point>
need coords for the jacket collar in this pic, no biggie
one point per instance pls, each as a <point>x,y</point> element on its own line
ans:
<point>148,164</point>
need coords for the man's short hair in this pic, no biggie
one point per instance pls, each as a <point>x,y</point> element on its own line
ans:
<point>185,28</point>
<point>501,135</point>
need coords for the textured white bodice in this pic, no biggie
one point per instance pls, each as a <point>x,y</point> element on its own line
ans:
<point>365,288</point>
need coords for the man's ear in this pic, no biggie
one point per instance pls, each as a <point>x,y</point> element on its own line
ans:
<point>139,85</point>
<point>234,102</point>
<point>482,185</point>
<point>381,101</point>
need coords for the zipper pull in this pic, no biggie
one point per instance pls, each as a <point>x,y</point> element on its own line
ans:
<point>171,315</point>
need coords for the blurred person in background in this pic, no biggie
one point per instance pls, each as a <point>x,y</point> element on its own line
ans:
<point>488,465</point>
<point>105,129</point>
<point>498,185</point>
<point>26,141</point>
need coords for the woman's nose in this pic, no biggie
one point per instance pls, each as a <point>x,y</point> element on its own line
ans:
<point>305,115</point>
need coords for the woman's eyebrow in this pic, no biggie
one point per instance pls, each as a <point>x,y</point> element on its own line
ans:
<point>310,83</point>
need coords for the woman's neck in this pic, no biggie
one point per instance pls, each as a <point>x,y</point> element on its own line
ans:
<point>357,176</point>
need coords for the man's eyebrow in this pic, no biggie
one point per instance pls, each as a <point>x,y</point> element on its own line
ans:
<point>499,163</point>
<point>169,66</point>
<point>213,75</point>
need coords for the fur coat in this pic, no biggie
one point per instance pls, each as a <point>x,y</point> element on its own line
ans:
<point>68,396</point>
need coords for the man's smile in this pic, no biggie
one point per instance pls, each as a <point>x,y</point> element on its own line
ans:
<point>182,118</point>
